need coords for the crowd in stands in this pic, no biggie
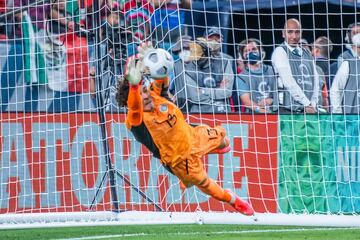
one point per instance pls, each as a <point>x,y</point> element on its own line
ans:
<point>60,60</point>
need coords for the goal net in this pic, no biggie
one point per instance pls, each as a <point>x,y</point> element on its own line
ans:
<point>67,158</point>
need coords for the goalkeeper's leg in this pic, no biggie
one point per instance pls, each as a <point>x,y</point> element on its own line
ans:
<point>211,188</point>
<point>191,172</point>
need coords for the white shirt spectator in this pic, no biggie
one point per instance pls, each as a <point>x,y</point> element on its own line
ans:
<point>286,80</point>
<point>338,86</point>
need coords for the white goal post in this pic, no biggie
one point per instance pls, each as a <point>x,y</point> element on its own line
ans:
<point>67,158</point>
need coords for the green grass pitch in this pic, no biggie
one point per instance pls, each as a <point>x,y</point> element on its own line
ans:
<point>186,232</point>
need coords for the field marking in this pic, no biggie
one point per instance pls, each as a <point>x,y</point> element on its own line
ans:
<point>216,233</point>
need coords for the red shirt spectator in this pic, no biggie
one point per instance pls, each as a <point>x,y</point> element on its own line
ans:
<point>2,6</point>
<point>137,14</point>
<point>132,4</point>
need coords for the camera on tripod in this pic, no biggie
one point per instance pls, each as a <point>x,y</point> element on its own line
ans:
<point>113,38</point>
<point>117,43</point>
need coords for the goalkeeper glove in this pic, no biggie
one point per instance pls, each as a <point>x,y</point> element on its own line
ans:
<point>133,70</point>
<point>143,49</point>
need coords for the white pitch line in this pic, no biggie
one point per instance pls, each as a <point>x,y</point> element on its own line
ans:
<point>216,233</point>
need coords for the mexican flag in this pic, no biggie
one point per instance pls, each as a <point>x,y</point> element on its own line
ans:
<point>60,60</point>
<point>34,61</point>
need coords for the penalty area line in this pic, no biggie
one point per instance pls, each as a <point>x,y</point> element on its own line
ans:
<point>215,233</point>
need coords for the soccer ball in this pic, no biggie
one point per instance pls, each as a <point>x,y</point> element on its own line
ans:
<point>158,63</point>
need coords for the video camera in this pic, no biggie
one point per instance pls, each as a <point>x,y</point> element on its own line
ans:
<point>117,40</point>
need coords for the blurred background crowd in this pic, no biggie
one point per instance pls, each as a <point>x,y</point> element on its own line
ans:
<point>56,55</point>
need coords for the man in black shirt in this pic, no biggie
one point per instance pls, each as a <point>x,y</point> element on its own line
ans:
<point>321,50</point>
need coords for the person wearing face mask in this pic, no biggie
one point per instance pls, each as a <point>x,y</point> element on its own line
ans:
<point>208,79</point>
<point>181,50</point>
<point>344,91</point>
<point>137,15</point>
<point>256,85</point>
<point>181,55</point>
<point>214,40</point>
<point>298,80</point>
<point>352,40</point>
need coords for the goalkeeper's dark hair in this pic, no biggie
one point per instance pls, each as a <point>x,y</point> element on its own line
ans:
<point>122,92</point>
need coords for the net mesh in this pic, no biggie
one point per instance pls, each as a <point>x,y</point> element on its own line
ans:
<point>64,145</point>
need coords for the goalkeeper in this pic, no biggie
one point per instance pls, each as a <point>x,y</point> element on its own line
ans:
<point>161,127</point>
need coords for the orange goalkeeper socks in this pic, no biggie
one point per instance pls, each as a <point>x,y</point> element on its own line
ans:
<point>210,187</point>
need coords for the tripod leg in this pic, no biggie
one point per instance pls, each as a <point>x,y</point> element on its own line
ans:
<point>98,190</point>
<point>113,189</point>
<point>137,189</point>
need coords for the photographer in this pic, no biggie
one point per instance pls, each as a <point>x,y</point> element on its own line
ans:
<point>119,43</point>
<point>116,45</point>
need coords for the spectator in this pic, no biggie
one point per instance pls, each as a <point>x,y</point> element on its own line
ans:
<point>215,39</point>
<point>10,21</point>
<point>68,89</point>
<point>3,6</point>
<point>37,12</point>
<point>181,54</point>
<point>136,21</point>
<point>323,101</point>
<point>321,50</point>
<point>35,69</point>
<point>208,80</point>
<point>111,25</point>
<point>118,45</point>
<point>344,92</point>
<point>181,49</point>
<point>351,52</point>
<point>59,18</point>
<point>11,58</point>
<point>298,80</point>
<point>168,21</point>
<point>88,18</point>
<point>137,15</point>
<point>111,34</point>
<point>32,17</point>
<point>256,84</point>
<point>3,20</point>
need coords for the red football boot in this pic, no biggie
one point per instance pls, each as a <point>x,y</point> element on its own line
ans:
<point>240,205</point>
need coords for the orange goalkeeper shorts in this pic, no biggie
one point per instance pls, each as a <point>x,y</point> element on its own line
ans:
<point>191,171</point>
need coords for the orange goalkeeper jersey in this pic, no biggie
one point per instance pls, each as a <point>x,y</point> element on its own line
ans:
<point>166,125</point>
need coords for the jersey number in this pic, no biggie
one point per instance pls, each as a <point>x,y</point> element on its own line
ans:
<point>171,120</point>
